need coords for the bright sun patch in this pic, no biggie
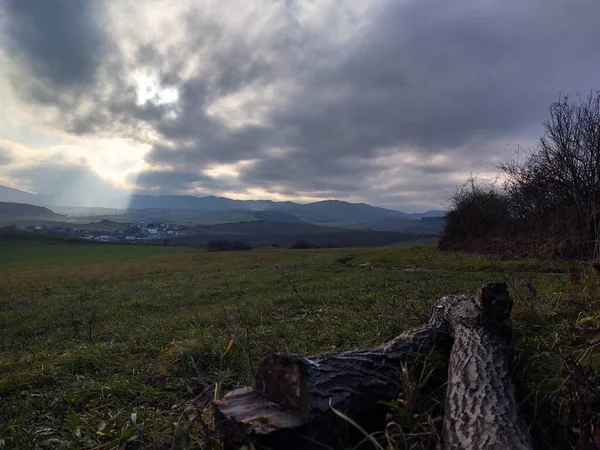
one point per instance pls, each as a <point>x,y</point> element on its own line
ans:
<point>115,159</point>
<point>149,89</point>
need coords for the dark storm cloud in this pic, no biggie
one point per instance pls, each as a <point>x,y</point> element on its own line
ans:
<point>426,75</point>
<point>179,181</point>
<point>60,42</point>
<point>429,77</point>
<point>435,74</point>
<point>342,175</point>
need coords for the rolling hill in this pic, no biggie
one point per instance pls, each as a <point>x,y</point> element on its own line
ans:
<point>340,211</point>
<point>319,212</point>
<point>8,194</point>
<point>263,233</point>
<point>323,211</point>
<point>12,210</point>
<point>212,209</point>
<point>208,204</point>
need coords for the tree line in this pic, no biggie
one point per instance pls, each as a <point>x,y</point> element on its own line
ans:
<point>547,202</point>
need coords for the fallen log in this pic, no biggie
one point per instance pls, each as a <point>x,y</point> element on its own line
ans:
<point>290,403</point>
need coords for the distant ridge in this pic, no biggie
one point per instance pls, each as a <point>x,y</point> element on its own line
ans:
<point>321,211</point>
<point>208,204</point>
<point>8,194</point>
<point>12,210</point>
<point>326,211</point>
<point>340,211</point>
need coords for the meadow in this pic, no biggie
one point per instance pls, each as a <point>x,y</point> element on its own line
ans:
<point>107,347</point>
<point>23,254</point>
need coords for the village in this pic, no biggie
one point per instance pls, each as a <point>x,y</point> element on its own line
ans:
<point>139,231</point>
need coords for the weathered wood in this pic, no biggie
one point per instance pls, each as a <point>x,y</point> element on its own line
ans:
<point>353,381</point>
<point>289,403</point>
<point>481,410</point>
<point>245,415</point>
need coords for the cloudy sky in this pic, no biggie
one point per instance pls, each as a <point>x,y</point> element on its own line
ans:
<point>390,102</point>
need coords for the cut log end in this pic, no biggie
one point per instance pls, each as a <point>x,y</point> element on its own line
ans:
<point>280,378</point>
<point>245,415</point>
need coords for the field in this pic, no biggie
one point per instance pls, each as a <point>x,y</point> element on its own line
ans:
<point>19,254</point>
<point>76,222</point>
<point>124,347</point>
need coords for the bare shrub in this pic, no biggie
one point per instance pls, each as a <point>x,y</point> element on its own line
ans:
<point>550,203</point>
<point>556,190</point>
<point>477,212</point>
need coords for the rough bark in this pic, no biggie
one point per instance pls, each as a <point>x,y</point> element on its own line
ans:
<point>288,405</point>
<point>305,387</point>
<point>481,410</point>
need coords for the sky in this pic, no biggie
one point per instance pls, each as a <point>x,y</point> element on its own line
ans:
<point>389,102</point>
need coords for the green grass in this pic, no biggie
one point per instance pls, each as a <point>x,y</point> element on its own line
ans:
<point>121,347</point>
<point>19,254</point>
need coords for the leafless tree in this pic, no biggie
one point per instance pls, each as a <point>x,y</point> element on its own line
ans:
<point>557,187</point>
<point>550,201</point>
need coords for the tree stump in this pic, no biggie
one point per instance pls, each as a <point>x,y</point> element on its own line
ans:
<point>289,404</point>
<point>481,410</point>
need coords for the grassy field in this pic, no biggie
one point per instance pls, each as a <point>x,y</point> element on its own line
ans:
<point>123,347</point>
<point>20,254</point>
<point>78,222</point>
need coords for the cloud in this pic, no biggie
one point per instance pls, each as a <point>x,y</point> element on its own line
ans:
<point>69,184</point>
<point>357,100</point>
<point>61,42</point>
<point>180,182</point>
<point>6,155</point>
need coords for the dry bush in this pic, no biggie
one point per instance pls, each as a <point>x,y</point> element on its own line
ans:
<point>478,211</point>
<point>549,205</point>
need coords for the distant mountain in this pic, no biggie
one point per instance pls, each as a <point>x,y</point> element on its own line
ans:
<point>433,213</point>
<point>8,194</point>
<point>323,211</point>
<point>340,211</point>
<point>210,203</point>
<point>11,210</point>
<point>334,212</point>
